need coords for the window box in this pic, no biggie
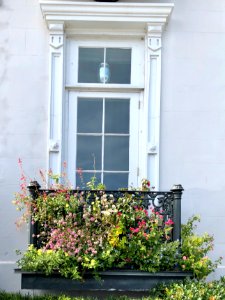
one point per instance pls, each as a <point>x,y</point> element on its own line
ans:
<point>114,280</point>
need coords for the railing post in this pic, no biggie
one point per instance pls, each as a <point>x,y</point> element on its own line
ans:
<point>34,189</point>
<point>177,190</point>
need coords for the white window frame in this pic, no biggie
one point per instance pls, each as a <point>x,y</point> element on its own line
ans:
<point>137,61</point>
<point>111,20</point>
<point>70,134</point>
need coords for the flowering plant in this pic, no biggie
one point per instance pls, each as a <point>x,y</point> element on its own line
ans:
<point>80,232</point>
<point>99,235</point>
<point>145,184</point>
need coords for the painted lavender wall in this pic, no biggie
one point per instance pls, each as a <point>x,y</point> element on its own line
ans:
<point>192,115</point>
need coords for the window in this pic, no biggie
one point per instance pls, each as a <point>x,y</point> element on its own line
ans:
<point>102,54</point>
<point>88,58</point>
<point>103,138</point>
<point>103,111</point>
<point>104,65</point>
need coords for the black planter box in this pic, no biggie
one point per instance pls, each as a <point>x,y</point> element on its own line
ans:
<point>122,280</point>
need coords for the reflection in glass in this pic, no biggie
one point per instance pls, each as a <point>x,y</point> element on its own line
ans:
<point>116,153</point>
<point>114,181</point>
<point>89,115</point>
<point>120,64</point>
<point>113,67</point>
<point>89,60</point>
<point>117,116</point>
<point>89,152</point>
<point>104,73</point>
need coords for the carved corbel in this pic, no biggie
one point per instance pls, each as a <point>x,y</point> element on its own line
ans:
<point>56,38</point>
<point>154,33</point>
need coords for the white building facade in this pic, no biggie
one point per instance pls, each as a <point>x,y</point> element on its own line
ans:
<point>69,69</point>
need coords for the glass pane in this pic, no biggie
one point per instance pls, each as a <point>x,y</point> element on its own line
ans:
<point>116,153</point>
<point>89,152</point>
<point>115,181</point>
<point>117,116</point>
<point>119,61</point>
<point>89,115</point>
<point>89,64</point>
<point>82,178</point>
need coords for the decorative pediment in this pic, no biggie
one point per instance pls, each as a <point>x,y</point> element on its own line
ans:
<point>128,16</point>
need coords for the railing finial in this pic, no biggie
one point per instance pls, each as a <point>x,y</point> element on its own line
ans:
<point>34,188</point>
<point>177,187</point>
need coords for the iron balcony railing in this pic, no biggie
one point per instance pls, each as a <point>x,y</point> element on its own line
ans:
<point>167,204</point>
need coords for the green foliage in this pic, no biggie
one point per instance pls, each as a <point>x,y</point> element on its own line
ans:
<point>93,185</point>
<point>191,290</point>
<point>106,234</point>
<point>48,262</point>
<point>79,234</point>
<point>194,250</point>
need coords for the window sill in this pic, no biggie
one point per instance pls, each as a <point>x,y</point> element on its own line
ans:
<point>105,88</point>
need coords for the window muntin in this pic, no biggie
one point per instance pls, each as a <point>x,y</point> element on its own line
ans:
<point>103,152</point>
<point>113,110</point>
<point>116,62</point>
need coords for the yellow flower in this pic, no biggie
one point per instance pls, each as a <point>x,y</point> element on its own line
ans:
<point>113,241</point>
<point>118,231</point>
<point>93,263</point>
<point>39,252</point>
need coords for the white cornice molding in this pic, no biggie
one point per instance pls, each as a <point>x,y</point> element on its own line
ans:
<point>82,14</point>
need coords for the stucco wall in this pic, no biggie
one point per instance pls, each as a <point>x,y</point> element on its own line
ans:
<point>192,114</point>
<point>23,117</point>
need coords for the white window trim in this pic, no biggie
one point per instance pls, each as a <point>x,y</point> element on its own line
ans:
<point>145,20</point>
<point>133,130</point>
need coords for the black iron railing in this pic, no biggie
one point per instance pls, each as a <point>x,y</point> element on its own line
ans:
<point>167,204</point>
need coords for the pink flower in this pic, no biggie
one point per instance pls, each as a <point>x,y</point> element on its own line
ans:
<point>141,223</point>
<point>134,230</point>
<point>184,257</point>
<point>169,222</point>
